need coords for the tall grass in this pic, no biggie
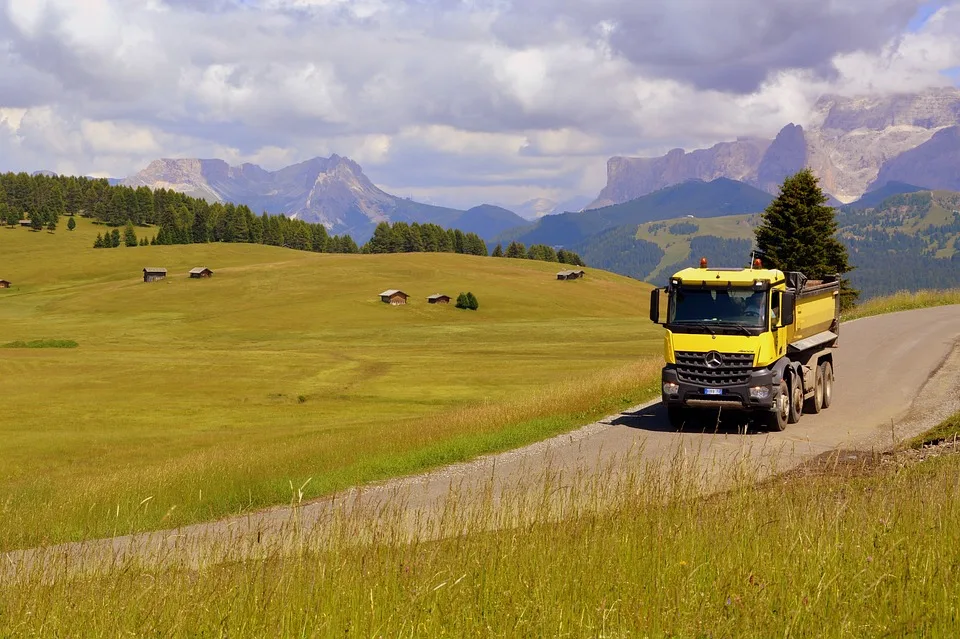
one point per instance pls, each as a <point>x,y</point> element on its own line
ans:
<point>855,551</point>
<point>903,301</point>
<point>112,504</point>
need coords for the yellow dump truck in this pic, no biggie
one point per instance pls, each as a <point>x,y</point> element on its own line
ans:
<point>747,339</point>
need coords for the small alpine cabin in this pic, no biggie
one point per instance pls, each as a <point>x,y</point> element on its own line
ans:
<point>200,272</point>
<point>394,297</point>
<point>151,274</point>
<point>4,284</point>
<point>438,299</point>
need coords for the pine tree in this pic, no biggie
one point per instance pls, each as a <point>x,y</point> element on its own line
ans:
<point>98,243</point>
<point>798,233</point>
<point>71,224</point>
<point>463,301</point>
<point>498,251</point>
<point>52,226</point>
<point>472,302</point>
<point>129,235</point>
<point>115,238</point>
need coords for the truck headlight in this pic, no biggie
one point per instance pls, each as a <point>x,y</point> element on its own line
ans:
<point>671,388</point>
<point>759,392</point>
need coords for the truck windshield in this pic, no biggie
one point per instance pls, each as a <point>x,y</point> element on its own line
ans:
<point>744,307</point>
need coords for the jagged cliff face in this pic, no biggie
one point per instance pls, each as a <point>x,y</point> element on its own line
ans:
<point>333,191</point>
<point>630,178</point>
<point>848,144</point>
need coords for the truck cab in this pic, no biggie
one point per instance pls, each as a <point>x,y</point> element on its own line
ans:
<point>751,339</point>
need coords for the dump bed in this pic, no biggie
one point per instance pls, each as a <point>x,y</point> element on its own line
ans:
<point>818,306</point>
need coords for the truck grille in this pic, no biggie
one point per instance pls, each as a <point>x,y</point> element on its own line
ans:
<point>734,368</point>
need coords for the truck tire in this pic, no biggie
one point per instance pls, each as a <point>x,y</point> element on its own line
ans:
<point>815,404</point>
<point>796,399</point>
<point>677,416</point>
<point>826,372</point>
<point>776,419</point>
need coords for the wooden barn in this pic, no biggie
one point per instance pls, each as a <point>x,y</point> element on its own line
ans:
<point>570,275</point>
<point>438,299</point>
<point>151,274</point>
<point>4,284</point>
<point>394,297</point>
<point>26,223</point>
<point>200,272</point>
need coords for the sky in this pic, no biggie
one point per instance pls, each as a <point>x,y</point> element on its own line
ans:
<point>454,102</point>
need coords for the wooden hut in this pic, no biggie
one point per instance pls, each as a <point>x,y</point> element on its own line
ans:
<point>437,298</point>
<point>152,274</point>
<point>4,284</point>
<point>26,223</point>
<point>200,272</point>
<point>570,275</point>
<point>394,297</point>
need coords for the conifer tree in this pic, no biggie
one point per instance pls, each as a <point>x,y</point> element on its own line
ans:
<point>472,303</point>
<point>71,224</point>
<point>52,226</point>
<point>798,233</point>
<point>498,251</point>
<point>115,238</point>
<point>98,243</point>
<point>463,301</point>
<point>129,235</point>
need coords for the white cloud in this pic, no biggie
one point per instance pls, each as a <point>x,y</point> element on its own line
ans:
<point>448,99</point>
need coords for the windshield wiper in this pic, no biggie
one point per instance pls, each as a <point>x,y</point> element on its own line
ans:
<point>743,328</point>
<point>697,323</point>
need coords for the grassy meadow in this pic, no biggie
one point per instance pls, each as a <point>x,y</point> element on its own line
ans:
<point>131,406</point>
<point>851,547</point>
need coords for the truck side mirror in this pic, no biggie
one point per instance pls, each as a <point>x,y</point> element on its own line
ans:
<point>788,308</point>
<point>655,306</point>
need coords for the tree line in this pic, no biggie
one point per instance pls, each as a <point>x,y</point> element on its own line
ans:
<point>401,237</point>
<point>540,252</point>
<point>181,219</point>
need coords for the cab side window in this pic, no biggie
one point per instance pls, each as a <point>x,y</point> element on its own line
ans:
<point>774,309</point>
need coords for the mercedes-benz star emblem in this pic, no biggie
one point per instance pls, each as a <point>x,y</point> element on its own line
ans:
<point>713,360</point>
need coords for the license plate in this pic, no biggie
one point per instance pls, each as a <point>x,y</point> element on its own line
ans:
<point>713,391</point>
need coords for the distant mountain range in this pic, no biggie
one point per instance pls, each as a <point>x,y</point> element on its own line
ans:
<point>854,145</point>
<point>333,191</point>
<point>694,198</point>
<point>539,207</point>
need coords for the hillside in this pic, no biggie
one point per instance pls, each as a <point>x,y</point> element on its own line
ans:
<point>909,241</point>
<point>282,367</point>
<point>332,191</point>
<point>697,198</point>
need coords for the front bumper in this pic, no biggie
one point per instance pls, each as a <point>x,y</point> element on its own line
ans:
<point>732,397</point>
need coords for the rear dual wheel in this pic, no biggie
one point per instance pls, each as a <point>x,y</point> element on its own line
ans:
<point>826,373</point>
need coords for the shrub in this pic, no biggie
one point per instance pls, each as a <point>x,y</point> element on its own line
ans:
<point>472,303</point>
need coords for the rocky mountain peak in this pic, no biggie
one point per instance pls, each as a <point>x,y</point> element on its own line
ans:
<point>847,143</point>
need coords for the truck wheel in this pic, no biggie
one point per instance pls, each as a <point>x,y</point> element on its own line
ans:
<point>776,419</point>
<point>796,399</point>
<point>826,373</point>
<point>677,416</point>
<point>815,403</point>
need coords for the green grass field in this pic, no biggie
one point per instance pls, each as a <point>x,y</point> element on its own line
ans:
<point>844,549</point>
<point>185,400</point>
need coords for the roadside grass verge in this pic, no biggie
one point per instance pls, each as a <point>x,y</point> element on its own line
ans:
<point>903,301</point>
<point>856,551</point>
<point>947,430</point>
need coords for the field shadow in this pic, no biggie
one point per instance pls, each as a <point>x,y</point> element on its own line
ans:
<point>654,419</point>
